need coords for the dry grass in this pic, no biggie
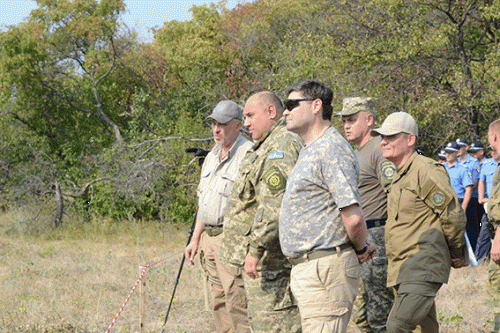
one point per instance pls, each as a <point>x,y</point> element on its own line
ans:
<point>76,280</point>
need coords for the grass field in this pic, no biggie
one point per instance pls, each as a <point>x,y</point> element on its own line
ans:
<point>77,278</point>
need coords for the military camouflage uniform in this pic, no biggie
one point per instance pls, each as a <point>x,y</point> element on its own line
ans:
<point>374,301</point>
<point>323,181</point>
<point>251,227</point>
<point>493,286</point>
<point>424,230</point>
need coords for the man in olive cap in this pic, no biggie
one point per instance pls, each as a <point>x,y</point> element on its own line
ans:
<point>424,230</point>
<point>218,174</point>
<point>374,300</point>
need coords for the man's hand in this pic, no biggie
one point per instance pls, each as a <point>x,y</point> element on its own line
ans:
<point>458,263</point>
<point>495,252</point>
<point>370,252</point>
<point>251,266</point>
<point>190,252</point>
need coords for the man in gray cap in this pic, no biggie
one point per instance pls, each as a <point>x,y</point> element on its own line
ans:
<point>218,174</point>
<point>374,299</point>
<point>424,230</point>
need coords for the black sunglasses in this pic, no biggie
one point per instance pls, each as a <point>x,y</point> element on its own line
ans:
<point>291,104</point>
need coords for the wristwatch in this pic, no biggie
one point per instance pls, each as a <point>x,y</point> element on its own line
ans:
<point>362,251</point>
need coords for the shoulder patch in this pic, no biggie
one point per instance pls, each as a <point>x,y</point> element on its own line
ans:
<point>274,179</point>
<point>275,156</point>
<point>437,198</point>
<point>388,169</point>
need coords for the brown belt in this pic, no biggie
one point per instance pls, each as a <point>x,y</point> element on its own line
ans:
<point>318,254</point>
<point>213,230</point>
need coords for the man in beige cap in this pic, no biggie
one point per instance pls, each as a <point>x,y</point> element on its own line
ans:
<point>374,300</point>
<point>424,230</point>
<point>218,174</point>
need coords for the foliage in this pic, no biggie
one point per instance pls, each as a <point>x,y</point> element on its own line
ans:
<point>84,104</point>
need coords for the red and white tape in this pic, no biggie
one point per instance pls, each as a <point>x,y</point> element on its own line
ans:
<point>144,269</point>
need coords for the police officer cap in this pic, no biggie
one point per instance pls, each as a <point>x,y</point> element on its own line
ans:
<point>397,122</point>
<point>451,147</point>
<point>225,111</point>
<point>461,142</point>
<point>442,154</point>
<point>354,105</point>
<point>476,146</point>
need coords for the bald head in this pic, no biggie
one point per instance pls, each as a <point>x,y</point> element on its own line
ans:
<point>494,135</point>
<point>262,111</point>
<point>267,98</point>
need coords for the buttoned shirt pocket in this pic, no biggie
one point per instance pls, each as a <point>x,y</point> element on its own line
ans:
<point>406,204</point>
<point>204,182</point>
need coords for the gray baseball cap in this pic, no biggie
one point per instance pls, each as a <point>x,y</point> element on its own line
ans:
<point>354,105</point>
<point>225,111</point>
<point>397,122</point>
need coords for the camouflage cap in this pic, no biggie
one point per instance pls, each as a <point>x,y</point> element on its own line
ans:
<point>225,111</point>
<point>397,122</point>
<point>354,105</point>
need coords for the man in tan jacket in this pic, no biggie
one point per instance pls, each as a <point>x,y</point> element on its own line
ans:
<point>424,230</point>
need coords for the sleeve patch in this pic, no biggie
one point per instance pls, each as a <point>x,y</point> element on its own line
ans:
<point>388,169</point>
<point>438,198</point>
<point>276,156</point>
<point>274,179</point>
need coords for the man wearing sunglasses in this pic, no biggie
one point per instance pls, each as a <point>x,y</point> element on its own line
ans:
<point>425,227</point>
<point>322,229</point>
<point>374,301</point>
<point>251,220</point>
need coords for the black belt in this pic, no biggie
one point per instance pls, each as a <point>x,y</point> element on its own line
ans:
<point>375,223</point>
<point>319,254</point>
<point>213,230</point>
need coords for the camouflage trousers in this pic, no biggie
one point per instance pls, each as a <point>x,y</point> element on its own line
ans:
<point>271,307</point>
<point>375,300</point>
<point>493,286</point>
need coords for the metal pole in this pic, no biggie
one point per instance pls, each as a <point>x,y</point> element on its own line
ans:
<point>176,282</point>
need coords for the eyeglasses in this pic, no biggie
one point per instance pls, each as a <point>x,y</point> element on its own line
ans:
<point>291,104</point>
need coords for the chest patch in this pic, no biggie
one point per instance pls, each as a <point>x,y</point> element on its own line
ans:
<point>437,198</point>
<point>274,180</point>
<point>388,169</point>
<point>275,156</point>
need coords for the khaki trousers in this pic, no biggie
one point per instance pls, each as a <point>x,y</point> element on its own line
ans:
<point>325,290</point>
<point>226,286</point>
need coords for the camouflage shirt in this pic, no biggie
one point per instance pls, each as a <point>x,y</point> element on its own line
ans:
<point>425,224</point>
<point>494,200</point>
<point>252,211</point>
<point>323,180</point>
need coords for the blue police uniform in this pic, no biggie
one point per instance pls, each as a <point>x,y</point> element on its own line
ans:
<point>474,210</point>
<point>459,178</point>
<point>483,246</point>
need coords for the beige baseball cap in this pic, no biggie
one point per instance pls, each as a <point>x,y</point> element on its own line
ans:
<point>352,105</point>
<point>397,122</point>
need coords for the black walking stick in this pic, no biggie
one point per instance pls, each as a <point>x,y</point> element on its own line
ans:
<point>200,154</point>
<point>190,234</point>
